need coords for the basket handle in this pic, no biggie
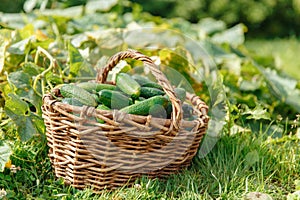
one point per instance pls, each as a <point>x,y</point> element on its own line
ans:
<point>160,77</point>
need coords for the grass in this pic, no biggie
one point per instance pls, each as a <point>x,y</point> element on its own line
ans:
<point>284,52</point>
<point>238,164</point>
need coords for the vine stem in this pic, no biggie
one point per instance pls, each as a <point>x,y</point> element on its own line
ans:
<point>41,75</point>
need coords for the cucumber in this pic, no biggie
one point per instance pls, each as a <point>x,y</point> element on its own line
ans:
<point>96,97</point>
<point>147,106</point>
<point>73,91</point>
<point>95,87</point>
<point>128,85</point>
<point>148,92</point>
<point>139,99</point>
<point>145,82</point>
<point>114,99</point>
<point>102,107</point>
<point>72,101</point>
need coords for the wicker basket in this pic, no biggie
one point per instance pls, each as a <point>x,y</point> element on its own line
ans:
<point>86,153</point>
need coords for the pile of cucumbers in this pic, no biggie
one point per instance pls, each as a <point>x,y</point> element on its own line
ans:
<point>134,94</point>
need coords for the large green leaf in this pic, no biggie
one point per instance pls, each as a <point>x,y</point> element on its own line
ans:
<point>283,88</point>
<point>28,124</point>
<point>100,5</point>
<point>180,60</point>
<point>21,84</point>
<point>15,107</point>
<point>21,47</point>
<point>233,36</point>
<point>20,80</point>
<point>75,60</point>
<point>257,113</point>
<point>5,152</point>
<point>210,26</point>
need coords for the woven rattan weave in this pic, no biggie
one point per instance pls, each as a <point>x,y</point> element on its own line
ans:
<point>86,153</point>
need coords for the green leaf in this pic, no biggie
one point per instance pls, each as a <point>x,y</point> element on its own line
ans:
<point>283,88</point>
<point>252,85</point>
<point>180,60</point>
<point>28,124</point>
<point>5,152</point>
<point>110,41</point>
<point>257,113</point>
<point>75,60</point>
<point>14,20</point>
<point>27,31</point>
<point>210,26</point>
<point>20,80</point>
<point>15,107</point>
<point>20,84</point>
<point>27,127</point>
<point>20,47</point>
<point>38,123</point>
<point>31,69</point>
<point>54,78</point>
<point>212,49</point>
<point>233,36</point>
<point>100,5</point>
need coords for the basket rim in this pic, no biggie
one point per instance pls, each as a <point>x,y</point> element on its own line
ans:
<point>117,116</point>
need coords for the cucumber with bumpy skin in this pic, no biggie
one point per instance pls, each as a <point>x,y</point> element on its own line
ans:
<point>72,101</point>
<point>93,87</point>
<point>96,97</point>
<point>102,107</point>
<point>148,92</point>
<point>114,99</point>
<point>128,85</point>
<point>144,107</point>
<point>145,82</point>
<point>73,91</point>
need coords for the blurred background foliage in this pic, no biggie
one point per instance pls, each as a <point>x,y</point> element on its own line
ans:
<point>264,18</point>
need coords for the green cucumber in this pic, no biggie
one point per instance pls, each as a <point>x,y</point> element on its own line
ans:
<point>139,99</point>
<point>148,106</point>
<point>96,97</point>
<point>145,82</point>
<point>93,87</point>
<point>128,85</point>
<point>148,92</point>
<point>102,107</point>
<point>73,91</point>
<point>114,99</point>
<point>72,101</point>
